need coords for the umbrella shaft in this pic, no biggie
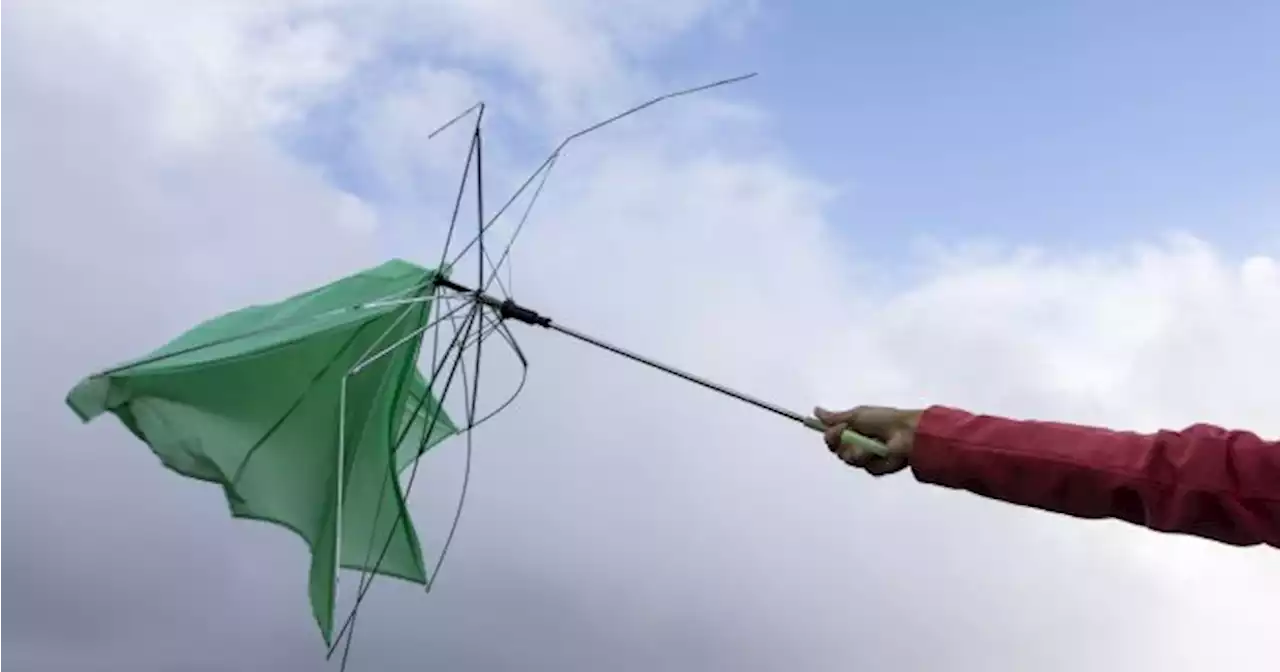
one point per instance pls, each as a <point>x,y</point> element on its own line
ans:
<point>510,309</point>
<point>665,368</point>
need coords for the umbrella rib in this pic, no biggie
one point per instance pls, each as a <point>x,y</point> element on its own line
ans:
<point>364,588</point>
<point>315,380</point>
<point>297,403</point>
<point>589,129</point>
<point>507,336</point>
<point>524,218</point>
<point>394,448</point>
<point>473,152</point>
<point>383,302</point>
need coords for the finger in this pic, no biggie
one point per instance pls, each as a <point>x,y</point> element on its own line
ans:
<point>850,453</point>
<point>831,418</point>
<point>834,437</point>
<point>885,465</point>
<point>900,443</point>
<point>874,421</point>
<point>856,457</point>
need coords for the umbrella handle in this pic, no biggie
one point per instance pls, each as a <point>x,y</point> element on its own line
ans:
<point>851,438</point>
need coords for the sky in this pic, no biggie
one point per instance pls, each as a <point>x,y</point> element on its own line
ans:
<point>1067,212</point>
<point>1073,120</point>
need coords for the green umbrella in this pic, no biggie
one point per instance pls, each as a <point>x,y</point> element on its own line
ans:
<point>307,411</point>
<point>303,411</point>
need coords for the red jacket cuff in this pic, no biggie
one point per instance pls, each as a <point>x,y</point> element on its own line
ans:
<point>934,458</point>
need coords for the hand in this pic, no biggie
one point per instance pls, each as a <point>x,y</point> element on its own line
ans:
<point>894,427</point>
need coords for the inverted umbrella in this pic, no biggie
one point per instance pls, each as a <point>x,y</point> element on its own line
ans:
<point>308,411</point>
<point>300,410</point>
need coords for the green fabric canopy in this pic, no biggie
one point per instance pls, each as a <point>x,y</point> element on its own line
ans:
<point>290,409</point>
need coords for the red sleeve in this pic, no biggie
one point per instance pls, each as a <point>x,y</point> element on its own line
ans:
<point>1203,480</point>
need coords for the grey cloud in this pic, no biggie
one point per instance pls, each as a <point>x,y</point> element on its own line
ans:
<point>617,520</point>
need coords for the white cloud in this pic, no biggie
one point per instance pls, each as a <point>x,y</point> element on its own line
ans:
<point>644,521</point>
<point>218,68</point>
<point>574,55</point>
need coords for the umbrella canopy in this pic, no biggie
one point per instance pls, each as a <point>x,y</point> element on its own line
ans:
<point>304,411</point>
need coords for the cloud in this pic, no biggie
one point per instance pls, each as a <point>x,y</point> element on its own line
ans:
<point>617,518</point>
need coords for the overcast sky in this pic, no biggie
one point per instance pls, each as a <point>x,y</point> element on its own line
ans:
<point>1069,215</point>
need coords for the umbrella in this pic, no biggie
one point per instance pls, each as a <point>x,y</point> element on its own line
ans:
<point>301,410</point>
<point>309,410</point>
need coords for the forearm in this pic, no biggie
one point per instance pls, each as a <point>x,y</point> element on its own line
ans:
<point>1204,480</point>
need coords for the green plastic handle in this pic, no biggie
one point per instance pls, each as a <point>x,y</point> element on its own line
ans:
<point>851,438</point>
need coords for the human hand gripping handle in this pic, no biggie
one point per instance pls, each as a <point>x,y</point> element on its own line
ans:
<point>873,438</point>
<point>847,437</point>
